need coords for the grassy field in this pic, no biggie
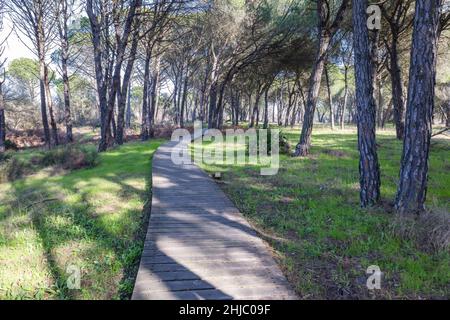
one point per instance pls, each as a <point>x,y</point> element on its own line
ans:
<point>309,213</point>
<point>92,220</point>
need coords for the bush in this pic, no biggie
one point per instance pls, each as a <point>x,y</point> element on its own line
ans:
<point>430,231</point>
<point>10,145</point>
<point>4,156</point>
<point>69,158</point>
<point>284,145</point>
<point>13,169</point>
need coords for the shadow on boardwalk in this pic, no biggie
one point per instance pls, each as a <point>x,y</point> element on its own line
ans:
<point>198,245</point>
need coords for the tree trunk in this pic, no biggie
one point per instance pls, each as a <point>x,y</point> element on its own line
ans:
<point>123,91</point>
<point>67,111</point>
<point>96,30</point>
<point>266,108</point>
<point>255,111</point>
<point>412,189</point>
<point>63,33</point>
<point>183,100</point>
<point>330,97</point>
<point>327,29</point>
<point>302,148</point>
<point>44,104</point>
<point>145,125</point>
<point>129,112</point>
<point>344,106</point>
<point>154,96</point>
<point>290,104</point>
<point>50,107</point>
<point>2,121</point>
<point>366,108</point>
<point>212,104</point>
<point>397,89</point>
<point>122,37</point>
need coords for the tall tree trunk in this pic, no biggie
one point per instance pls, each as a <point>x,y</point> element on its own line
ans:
<point>100,78</point>
<point>344,106</point>
<point>44,104</point>
<point>145,125</point>
<point>412,189</point>
<point>397,89</point>
<point>327,29</point>
<point>50,107</point>
<point>67,109</point>
<point>290,103</point>
<point>255,111</point>
<point>63,17</point>
<point>154,95</point>
<point>212,104</point>
<point>366,107</point>
<point>302,148</point>
<point>266,107</point>
<point>129,112</point>
<point>122,39</point>
<point>2,120</point>
<point>123,91</point>
<point>330,97</point>
<point>183,100</point>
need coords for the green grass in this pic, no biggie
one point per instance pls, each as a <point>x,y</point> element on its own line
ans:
<point>92,219</point>
<point>309,212</point>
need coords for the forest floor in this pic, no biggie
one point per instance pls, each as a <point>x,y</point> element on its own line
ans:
<point>54,223</point>
<point>309,213</point>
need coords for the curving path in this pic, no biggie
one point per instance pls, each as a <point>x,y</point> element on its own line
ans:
<point>198,245</point>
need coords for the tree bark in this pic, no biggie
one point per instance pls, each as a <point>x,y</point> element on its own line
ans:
<point>128,114</point>
<point>412,189</point>
<point>50,107</point>
<point>266,108</point>
<point>344,106</point>
<point>44,101</point>
<point>154,96</point>
<point>63,17</point>
<point>366,108</point>
<point>122,37</point>
<point>330,97</point>
<point>145,125</point>
<point>100,73</point>
<point>2,121</point>
<point>212,104</point>
<point>254,115</point>
<point>327,29</point>
<point>123,91</point>
<point>304,145</point>
<point>397,88</point>
<point>183,100</point>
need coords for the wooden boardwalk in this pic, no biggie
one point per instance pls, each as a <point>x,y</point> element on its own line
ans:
<point>198,245</point>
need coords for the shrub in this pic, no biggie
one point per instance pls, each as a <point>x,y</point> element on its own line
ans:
<point>429,231</point>
<point>4,156</point>
<point>284,145</point>
<point>11,145</point>
<point>69,158</point>
<point>13,169</point>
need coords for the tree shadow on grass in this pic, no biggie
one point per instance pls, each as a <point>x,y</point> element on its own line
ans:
<point>70,229</point>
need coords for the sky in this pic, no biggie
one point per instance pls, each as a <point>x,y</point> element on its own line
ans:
<point>14,47</point>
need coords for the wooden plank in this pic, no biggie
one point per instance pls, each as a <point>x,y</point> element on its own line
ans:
<point>198,245</point>
<point>205,274</point>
